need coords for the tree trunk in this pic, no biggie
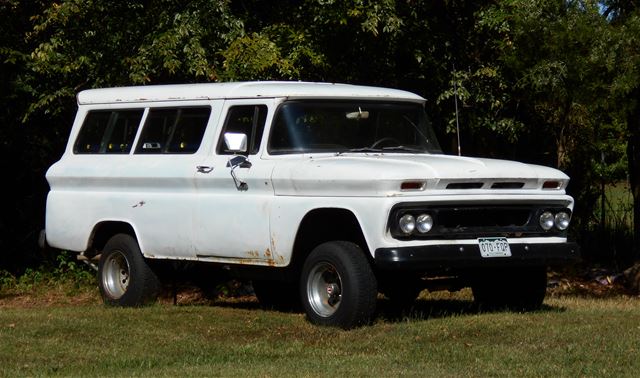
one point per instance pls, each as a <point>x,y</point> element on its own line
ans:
<point>632,274</point>
<point>633,156</point>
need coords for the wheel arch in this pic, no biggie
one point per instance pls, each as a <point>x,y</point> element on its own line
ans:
<point>104,230</point>
<point>313,231</point>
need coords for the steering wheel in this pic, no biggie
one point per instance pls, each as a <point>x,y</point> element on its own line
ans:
<point>384,140</point>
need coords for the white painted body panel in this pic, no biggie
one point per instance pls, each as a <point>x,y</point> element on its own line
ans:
<point>373,213</point>
<point>229,223</point>
<point>244,90</point>
<point>180,213</point>
<point>152,198</point>
<point>381,175</point>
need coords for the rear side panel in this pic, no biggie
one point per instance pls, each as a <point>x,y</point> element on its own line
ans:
<point>154,193</point>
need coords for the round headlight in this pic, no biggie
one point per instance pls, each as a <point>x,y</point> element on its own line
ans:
<point>407,223</point>
<point>424,223</point>
<point>562,221</point>
<point>546,221</point>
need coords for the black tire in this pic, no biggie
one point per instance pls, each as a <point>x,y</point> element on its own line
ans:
<point>124,278</point>
<point>277,295</point>
<point>521,289</point>
<point>337,286</point>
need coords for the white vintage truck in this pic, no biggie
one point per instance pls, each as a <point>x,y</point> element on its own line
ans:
<point>326,194</point>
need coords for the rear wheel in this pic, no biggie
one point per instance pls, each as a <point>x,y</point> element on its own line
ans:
<point>521,289</point>
<point>124,278</point>
<point>337,286</point>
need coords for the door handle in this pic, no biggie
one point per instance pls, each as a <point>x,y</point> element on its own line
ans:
<point>204,169</point>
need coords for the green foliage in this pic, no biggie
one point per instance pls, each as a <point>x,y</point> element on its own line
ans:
<point>65,271</point>
<point>545,51</point>
<point>371,17</point>
<point>484,97</point>
<point>7,280</point>
<point>67,266</point>
<point>100,43</point>
<point>275,53</point>
<point>562,74</point>
<point>252,55</point>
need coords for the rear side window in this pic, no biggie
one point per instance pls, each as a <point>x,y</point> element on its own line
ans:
<point>248,120</point>
<point>108,132</point>
<point>173,130</point>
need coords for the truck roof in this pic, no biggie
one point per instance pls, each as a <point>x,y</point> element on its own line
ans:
<point>240,90</point>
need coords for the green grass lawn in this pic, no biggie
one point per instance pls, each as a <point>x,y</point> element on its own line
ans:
<point>443,336</point>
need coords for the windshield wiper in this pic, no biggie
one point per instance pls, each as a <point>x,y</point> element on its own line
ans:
<point>404,149</point>
<point>384,149</point>
<point>361,149</point>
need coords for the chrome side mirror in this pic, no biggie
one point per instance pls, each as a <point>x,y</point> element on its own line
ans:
<point>236,142</point>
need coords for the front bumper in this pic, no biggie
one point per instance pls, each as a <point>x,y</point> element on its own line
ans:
<point>446,257</point>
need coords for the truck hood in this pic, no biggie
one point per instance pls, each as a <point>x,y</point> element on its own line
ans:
<point>383,175</point>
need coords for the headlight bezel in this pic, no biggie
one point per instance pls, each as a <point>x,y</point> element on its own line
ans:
<point>559,219</point>
<point>426,221</point>
<point>407,224</point>
<point>546,220</point>
<point>444,227</point>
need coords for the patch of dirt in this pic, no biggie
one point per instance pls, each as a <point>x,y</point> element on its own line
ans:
<point>192,295</point>
<point>592,282</point>
<point>49,298</point>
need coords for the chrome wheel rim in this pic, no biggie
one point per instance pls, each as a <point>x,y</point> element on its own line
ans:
<point>324,289</point>
<point>115,275</point>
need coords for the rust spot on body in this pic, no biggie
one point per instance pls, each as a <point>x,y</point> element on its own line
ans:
<point>253,254</point>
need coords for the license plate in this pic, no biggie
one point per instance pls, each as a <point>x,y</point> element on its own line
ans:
<point>494,247</point>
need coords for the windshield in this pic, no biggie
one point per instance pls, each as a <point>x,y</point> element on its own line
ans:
<point>348,126</point>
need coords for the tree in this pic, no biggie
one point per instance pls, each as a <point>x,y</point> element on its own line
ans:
<point>101,43</point>
<point>624,63</point>
<point>22,147</point>
<point>561,73</point>
<point>559,86</point>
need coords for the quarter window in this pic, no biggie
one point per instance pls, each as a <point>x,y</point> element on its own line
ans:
<point>108,132</point>
<point>248,120</point>
<point>173,130</point>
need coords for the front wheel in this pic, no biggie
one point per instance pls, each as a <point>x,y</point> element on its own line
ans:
<point>124,278</point>
<point>337,286</point>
